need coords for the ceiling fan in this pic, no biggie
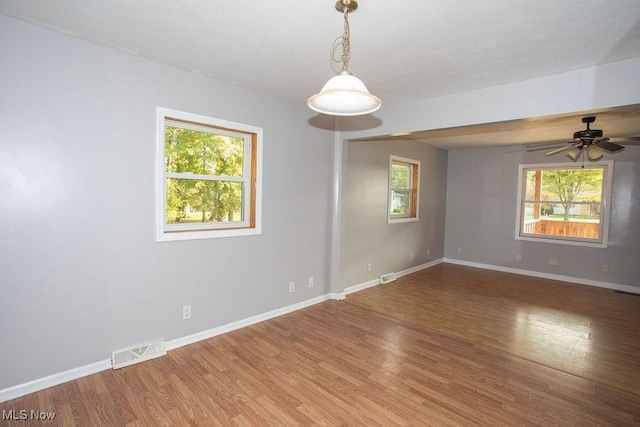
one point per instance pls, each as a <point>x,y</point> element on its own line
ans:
<point>591,141</point>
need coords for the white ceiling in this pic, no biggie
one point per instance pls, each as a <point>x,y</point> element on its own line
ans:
<point>403,50</point>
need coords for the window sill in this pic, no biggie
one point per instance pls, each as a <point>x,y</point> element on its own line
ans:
<point>559,241</point>
<point>399,220</point>
<point>206,234</point>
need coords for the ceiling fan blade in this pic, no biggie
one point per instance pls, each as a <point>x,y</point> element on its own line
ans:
<point>546,147</point>
<point>561,149</point>
<point>547,144</point>
<point>632,140</point>
<point>609,146</point>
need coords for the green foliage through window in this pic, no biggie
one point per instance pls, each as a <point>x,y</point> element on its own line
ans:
<point>212,157</point>
<point>208,177</point>
<point>565,202</point>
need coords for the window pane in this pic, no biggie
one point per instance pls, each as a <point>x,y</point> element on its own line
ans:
<point>577,185</point>
<point>530,190</point>
<point>202,152</point>
<point>566,204</point>
<point>198,201</point>
<point>572,185</point>
<point>400,202</point>
<point>566,220</point>
<point>404,186</point>
<point>400,176</point>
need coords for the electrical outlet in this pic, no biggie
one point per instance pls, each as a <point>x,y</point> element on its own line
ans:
<point>186,312</point>
<point>428,252</point>
<point>519,257</point>
<point>605,268</point>
<point>553,262</point>
<point>459,249</point>
<point>292,286</point>
<point>412,256</point>
<point>311,281</point>
<point>369,267</point>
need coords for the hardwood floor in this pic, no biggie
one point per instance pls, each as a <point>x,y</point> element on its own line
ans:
<point>585,331</point>
<point>447,346</point>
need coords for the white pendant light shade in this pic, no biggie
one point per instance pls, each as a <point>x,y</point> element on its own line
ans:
<point>344,95</point>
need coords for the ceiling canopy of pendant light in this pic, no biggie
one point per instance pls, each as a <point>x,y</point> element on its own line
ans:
<point>344,94</point>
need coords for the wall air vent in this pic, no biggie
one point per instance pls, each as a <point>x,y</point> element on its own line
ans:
<point>129,356</point>
<point>389,277</point>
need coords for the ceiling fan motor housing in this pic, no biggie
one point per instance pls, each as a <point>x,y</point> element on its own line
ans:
<point>588,134</point>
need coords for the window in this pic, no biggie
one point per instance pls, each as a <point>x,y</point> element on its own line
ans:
<point>404,178</point>
<point>564,203</point>
<point>208,177</point>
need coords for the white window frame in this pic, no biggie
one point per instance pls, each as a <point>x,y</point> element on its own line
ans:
<point>252,176</point>
<point>391,218</point>
<point>607,179</point>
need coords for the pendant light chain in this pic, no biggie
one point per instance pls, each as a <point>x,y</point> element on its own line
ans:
<point>343,42</point>
<point>346,41</point>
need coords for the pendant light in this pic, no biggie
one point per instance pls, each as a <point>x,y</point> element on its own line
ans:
<point>344,94</point>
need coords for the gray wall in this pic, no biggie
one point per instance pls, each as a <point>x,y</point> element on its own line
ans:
<point>366,235</point>
<point>80,272</point>
<point>481,216</point>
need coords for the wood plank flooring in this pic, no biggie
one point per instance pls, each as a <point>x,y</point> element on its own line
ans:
<point>447,346</point>
<point>589,332</point>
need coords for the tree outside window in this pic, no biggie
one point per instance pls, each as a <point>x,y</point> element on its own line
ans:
<point>202,153</point>
<point>564,202</point>
<point>208,182</point>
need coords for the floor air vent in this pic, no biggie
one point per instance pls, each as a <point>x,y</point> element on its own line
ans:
<point>389,277</point>
<point>129,356</point>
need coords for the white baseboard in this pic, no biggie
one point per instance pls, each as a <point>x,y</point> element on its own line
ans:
<point>420,267</point>
<point>361,286</point>
<point>190,339</point>
<point>93,368</point>
<point>561,278</point>
<point>53,380</point>
<point>375,282</point>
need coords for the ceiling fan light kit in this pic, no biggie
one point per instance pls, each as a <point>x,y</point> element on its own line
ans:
<point>344,94</point>
<point>574,154</point>
<point>595,153</point>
